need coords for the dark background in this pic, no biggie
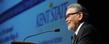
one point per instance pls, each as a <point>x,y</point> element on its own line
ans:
<point>98,11</point>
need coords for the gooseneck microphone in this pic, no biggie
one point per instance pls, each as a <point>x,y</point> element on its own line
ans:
<point>56,30</point>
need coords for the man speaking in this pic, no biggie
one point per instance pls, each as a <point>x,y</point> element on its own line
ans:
<point>84,33</point>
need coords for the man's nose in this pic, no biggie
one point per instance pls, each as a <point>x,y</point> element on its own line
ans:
<point>66,19</point>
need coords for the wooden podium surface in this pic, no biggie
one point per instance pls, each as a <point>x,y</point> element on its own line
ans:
<point>22,43</point>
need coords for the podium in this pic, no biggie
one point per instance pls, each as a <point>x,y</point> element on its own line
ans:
<point>22,43</point>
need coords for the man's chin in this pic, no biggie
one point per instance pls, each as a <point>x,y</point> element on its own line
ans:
<point>69,28</point>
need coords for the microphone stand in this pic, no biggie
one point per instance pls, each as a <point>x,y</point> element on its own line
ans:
<point>35,35</point>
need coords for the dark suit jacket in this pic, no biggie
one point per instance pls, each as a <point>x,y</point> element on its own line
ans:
<point>86,35</point>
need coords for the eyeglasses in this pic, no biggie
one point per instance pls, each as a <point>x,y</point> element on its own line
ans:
<point>70,14</point>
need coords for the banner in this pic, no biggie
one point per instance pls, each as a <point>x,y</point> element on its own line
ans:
<point>28,17</point>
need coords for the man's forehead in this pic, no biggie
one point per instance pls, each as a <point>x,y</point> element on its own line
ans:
<point>71,10</point>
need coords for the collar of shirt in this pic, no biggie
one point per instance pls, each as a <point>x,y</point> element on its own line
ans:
<point>76,32</point>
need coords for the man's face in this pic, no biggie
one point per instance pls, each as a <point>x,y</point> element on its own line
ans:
<point>72,18</point>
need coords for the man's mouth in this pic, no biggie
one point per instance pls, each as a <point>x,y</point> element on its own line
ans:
<point>68,22</point>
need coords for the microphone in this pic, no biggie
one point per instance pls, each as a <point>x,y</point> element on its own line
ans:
<point>56,30</point>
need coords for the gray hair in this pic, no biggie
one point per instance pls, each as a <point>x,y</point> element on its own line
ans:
<point>77,6</point>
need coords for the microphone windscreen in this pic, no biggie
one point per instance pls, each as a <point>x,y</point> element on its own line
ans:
<point>57,30</point>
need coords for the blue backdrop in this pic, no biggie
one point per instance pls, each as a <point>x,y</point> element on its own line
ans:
<point>21,18</point>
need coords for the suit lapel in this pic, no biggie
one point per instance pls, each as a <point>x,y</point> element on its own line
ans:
<point>79,33</point>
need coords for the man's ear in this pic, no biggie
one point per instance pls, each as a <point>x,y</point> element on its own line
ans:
<point>80,16</point>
